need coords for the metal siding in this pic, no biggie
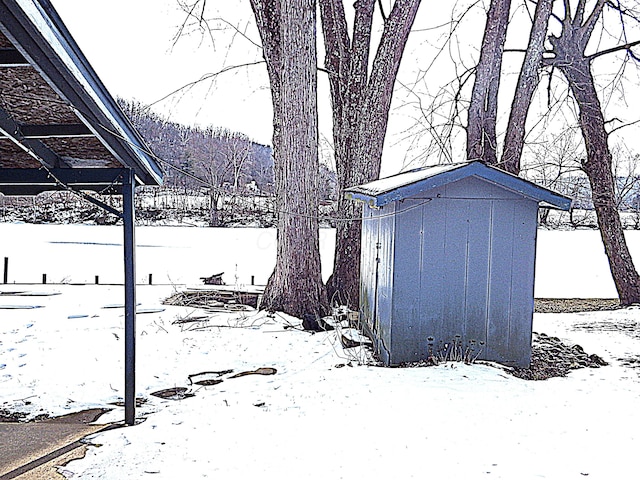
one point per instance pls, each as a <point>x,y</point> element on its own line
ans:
<point>433,268</point>
<point>455,279</point>
<point>500,279</point>
<point>523,264</point>
<point>473,199</point>
<point>407,322</point>
<point>369,235</point>
<point>499,272</point>
<point>384,317</point>
<point>477,299</point>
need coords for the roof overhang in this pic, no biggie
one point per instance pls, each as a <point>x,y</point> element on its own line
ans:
<point>408,184</point>
<point>54,110</point>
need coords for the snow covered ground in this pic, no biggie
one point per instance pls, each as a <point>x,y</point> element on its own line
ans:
<point>322,415</point>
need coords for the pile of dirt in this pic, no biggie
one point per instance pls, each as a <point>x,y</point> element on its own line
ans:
<point>552,358</point>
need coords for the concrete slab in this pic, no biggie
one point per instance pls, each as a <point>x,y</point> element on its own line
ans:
<point>26,447</point>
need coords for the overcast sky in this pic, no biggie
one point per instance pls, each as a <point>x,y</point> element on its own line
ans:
<point>130,45</point>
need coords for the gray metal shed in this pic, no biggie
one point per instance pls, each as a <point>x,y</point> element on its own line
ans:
<point>447,266</point>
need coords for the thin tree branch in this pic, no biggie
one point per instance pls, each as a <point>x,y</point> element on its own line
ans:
<point>623,126</point>
<point>204,78</point>
<point>384,16</point>
<point>579,16</point>
<point>626,46</point>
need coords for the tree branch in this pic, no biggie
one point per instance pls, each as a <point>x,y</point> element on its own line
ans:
<point>626,46</point>
<point>623,126</point>
<point>579,16</point>
<point>590,24</point>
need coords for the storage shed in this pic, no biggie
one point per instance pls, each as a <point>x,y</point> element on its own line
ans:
<point>448,260</point>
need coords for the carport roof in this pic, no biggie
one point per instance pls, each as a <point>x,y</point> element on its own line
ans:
<point>57,119</point>
<point>403,185</point>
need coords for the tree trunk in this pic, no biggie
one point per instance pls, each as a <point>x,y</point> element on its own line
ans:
<point>287,29</point>
<point>483,110</point>
<point>214,217</point>
<point>527,83</point>
<point>598,169</point>
<point>361,105</point>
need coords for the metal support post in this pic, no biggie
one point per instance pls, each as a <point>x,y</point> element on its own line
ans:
<point>128,215</point>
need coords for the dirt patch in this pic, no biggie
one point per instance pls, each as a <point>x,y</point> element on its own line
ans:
<point>550,357</point>
<point>83,417</point>
<point>7,416</point>
<point>575,305</point>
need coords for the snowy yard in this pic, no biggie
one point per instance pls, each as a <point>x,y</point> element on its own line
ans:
<point>321,416</point>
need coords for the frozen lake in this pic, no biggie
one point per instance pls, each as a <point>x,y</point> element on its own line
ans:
<point>173,255</point>
<point>569,263</point>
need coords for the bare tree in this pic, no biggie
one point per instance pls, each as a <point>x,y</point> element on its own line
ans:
<point>361,93</point>
<point>208,168</point>
<point>569,56</point>
<point>287,30</point>
<point>557,165</point>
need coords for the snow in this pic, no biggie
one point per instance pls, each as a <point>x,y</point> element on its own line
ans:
<point>323,415</point>
<point>392,182</point>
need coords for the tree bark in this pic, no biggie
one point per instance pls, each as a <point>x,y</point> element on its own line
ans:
<point>287,29</point>
<point>483,110</point>
<point>528,81</point>
<point>361,103</point>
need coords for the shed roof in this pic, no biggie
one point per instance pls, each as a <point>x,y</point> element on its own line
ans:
<point>55,113</point>
<point>414,182</point>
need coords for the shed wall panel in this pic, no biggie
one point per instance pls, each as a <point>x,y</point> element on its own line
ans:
<point>369,237</point>
<point>433,269</point>
<point>477,294</point>
<point>522,284</point>
<point>387,238</point>
<point>407,334</point>
<point>455,268</point>
<point>378,228</point>
<point>500,277</point>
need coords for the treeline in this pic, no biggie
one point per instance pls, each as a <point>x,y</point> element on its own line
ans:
<point>202,157</point>
<point>226,166</point>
